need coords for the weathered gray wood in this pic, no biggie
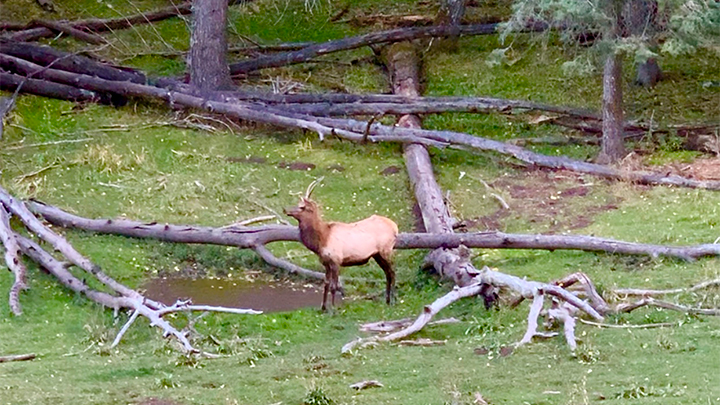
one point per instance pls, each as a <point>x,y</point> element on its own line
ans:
<point>354,130</point>
<point>206,61</point>
<point>252,236</point>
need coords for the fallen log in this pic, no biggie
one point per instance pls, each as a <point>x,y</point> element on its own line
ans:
<point>59,27</point>
<point>47,56</point>
<point>356,131</point>
<point>250,237</point>
<point>102,25</point>
<point>11,82</point>
<point>396,35</point>
<point>120,297</point>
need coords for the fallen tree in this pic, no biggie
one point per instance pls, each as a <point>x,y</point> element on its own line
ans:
<point>119,295</point>
<point>250,237</point>
<point>353,130</point>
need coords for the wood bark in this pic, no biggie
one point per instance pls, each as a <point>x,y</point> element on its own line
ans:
<point>356,131</point>
<point>47,56</point>
<point>612,146</point>
<point>450,14</point>
<point>254,236</point>
<point>396,35</point>
<point>13,262</point>
<point>11,82</point>
<point>102,25</point>
<point>71,31</point>
<point>208,47</point>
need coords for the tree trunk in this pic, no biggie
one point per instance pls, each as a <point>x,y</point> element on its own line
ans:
<point>612,110</point>
<point>450,14</point>
<point>208,67</point>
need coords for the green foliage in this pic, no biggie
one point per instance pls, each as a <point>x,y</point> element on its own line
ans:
<point>141,163</point>
<point>317,397</point>
<point>680,27</point>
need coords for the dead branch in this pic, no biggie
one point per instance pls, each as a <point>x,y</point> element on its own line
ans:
<point>252,236</point>
<point>102,25</point>
<point>47,56</point>
<point>124,297</point>
<point>423,342</point>
<point>59,27</point>
<point>648,293</point>
<point>628,326</point>
<point>12,259</point>
<point>291,268</point>
<point>17,357</point>
<point>391,326</point>
<point>44,88</point>
<point>652,302</point>
<point>355,130</point>
<point>396,35</point>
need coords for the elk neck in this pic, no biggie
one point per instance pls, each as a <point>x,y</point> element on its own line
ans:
<point>314,232</point>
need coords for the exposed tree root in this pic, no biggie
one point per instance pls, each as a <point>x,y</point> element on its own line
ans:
<point>121,296</point>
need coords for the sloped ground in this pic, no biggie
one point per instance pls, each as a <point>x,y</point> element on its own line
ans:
<point>136,162</point>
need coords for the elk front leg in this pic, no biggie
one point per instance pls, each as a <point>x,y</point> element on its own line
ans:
<point>334,272</point>
<point>384,263</point>
<point>326,288</point>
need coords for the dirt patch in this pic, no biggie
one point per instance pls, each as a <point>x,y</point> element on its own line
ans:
<point>249,159</point>
<point>700,169</point>
<point>157,401</point>
<point>553,201</point>
<point>390,170</point>
<point>296,165</point>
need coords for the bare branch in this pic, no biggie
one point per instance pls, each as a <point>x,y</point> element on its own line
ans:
<point>12,259</point>
<point>17,357</point>
<point>648,293</point>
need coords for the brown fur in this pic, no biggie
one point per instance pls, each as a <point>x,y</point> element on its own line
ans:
<point>339,244</point>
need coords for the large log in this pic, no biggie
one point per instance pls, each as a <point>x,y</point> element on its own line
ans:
<point>47,56</point>
<point>102,25</point>
<point>356,131</point>
<point>10,82</point>
<point>396,35</point>
<point>251,236</point>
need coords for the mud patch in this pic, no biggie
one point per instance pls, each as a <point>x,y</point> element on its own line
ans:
<point>296,165</point>
<point>390,170</point>
<point>275,296</point>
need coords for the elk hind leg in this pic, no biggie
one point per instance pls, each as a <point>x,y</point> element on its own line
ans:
<point>385,264</point>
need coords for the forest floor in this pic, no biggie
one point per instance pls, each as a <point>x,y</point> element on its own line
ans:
<point>144,162</point>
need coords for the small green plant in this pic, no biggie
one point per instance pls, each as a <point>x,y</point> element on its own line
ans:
<point>317,397</point>
<point>167,382</point>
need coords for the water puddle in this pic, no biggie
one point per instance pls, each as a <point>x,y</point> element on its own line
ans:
<point>266,296</point>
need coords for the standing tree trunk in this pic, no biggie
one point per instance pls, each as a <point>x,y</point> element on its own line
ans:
<point>612,111</point>
<point>451,13</point>
<point>208,67</point>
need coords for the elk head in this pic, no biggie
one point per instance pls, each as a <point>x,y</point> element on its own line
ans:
<point>306,208</point>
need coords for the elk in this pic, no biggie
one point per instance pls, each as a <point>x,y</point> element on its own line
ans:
<point>340,244</point>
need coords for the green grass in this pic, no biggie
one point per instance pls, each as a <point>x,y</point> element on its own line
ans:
<point>136,162</point>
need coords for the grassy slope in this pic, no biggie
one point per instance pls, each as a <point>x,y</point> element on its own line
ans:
<point>152,171</point>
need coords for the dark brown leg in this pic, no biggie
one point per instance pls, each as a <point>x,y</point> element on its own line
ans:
<point>389,276</point>
<point>333,271</point>
<point>326,288</point>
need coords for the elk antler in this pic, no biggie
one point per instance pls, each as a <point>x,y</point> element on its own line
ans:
<point>312,185</point>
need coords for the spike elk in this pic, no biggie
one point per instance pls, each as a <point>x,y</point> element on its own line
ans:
<point>340,244</point>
